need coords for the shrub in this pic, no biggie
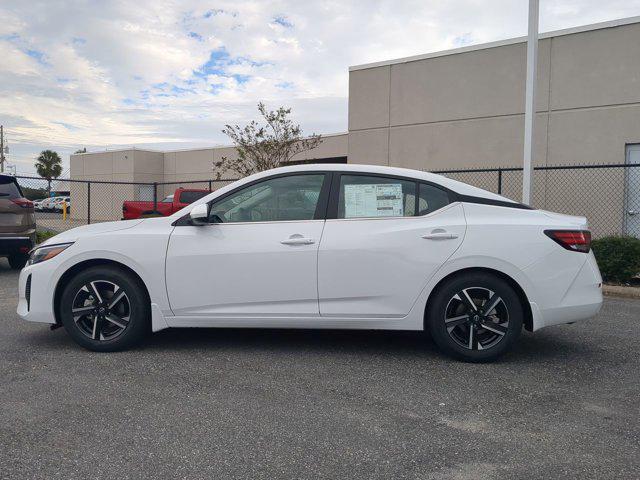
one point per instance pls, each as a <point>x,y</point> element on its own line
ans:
<point>42,235</point>
<point>618,258</point>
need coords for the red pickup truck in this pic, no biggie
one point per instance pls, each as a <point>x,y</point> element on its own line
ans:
<point>169,205</point>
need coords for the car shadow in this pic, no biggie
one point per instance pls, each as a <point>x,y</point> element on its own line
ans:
<point>292,340</point>
<point>541,346</point>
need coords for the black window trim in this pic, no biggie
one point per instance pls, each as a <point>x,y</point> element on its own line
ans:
<point>321,207</point>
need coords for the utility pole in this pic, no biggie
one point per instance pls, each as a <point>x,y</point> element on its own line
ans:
<point>530,101</point>
<point>2,159</point>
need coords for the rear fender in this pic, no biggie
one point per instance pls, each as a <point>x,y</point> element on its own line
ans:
<point>476,262</point>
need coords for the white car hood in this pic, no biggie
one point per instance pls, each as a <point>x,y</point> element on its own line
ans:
<point>90,230</point>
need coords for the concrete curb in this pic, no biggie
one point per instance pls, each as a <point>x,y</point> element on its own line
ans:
<point>620,291</point>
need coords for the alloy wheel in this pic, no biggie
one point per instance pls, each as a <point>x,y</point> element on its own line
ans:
<point>476,318</point>
<point>101,310</point>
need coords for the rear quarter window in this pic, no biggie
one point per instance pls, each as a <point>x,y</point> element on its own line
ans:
<point>9,188</point>
<point>431,198</point>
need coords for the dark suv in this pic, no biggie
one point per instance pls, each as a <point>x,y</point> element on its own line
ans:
<point>17,223</point>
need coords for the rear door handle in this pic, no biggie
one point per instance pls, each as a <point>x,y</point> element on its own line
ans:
<point>440,236</point>
<point>298,239</point>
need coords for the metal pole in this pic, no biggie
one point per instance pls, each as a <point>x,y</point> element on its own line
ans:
<point>1,149</point>
<point>499,181</point>
<point>530,101</point>
<point>155,196</point>
<point>209,185</point>
<point>88,203</point>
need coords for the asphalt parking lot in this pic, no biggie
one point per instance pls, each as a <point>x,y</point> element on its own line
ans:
<point>319,404</point>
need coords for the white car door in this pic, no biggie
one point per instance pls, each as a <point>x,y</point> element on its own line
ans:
<point>257,256</point>
<point>379,248</point>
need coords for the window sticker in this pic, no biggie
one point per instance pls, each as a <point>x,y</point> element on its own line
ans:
<point>373,200</point>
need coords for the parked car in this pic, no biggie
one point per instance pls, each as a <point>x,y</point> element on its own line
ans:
<point>17,223</point>
<point>57,204</point>
<point>37,203</point>
<point>40,205</point>
<point>168,206</point>
<point>47,204</point>
<point>323,246</point>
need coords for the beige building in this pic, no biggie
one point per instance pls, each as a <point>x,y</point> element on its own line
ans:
<point>464,108</point>
<point>148,166</point>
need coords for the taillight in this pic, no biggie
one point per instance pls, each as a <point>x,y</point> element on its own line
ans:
<point>574,240</point>
<point>23,202</point>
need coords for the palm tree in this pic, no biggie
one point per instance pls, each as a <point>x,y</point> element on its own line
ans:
<point>49,165</point>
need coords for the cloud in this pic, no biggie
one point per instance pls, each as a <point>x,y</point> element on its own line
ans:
<point>166,72</point>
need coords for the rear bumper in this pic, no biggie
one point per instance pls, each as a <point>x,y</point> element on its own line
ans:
<point>581,301</point>
<point>15,245</point>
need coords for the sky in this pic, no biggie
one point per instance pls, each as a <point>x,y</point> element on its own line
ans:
<point>169,74</point>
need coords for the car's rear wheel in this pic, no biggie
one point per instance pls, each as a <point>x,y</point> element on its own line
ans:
<point>18,261</point>
<point>475,317</point>
<point>105,308</point>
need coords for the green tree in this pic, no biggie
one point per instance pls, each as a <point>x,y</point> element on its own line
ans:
<point>81,150</point>
<point>262,147</point>
<point>49,166</point>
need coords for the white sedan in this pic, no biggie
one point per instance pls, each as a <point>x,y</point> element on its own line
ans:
<point>323,246</point>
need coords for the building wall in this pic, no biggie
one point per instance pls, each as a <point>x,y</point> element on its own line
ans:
<point>466,110</point>
<point>146,166</point>
<point>118,166</point>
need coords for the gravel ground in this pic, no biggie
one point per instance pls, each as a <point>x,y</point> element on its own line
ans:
<point>319,404</point>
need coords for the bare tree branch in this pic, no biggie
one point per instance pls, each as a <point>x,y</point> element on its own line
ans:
<point>265,147</point>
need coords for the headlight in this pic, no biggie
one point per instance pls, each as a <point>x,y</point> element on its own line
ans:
<point>40,254</point>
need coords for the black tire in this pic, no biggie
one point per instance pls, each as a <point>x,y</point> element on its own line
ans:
<point>104,328</point>
<point>18,261</point>
<point>484,335</point>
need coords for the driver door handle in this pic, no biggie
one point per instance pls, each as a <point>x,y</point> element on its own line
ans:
<point>298,239</point>
<point>440,236</point>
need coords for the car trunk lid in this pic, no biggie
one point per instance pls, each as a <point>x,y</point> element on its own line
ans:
<point>571,221</point>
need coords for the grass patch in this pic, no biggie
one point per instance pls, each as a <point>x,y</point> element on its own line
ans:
<point>43,235</point>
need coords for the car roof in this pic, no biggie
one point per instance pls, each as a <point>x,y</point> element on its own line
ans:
<point>454,185</point>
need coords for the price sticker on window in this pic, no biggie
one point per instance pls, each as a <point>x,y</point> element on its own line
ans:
<point>373,200</point>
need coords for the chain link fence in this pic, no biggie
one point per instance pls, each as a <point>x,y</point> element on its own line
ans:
<point>608,195</point>
<point>67,203</point>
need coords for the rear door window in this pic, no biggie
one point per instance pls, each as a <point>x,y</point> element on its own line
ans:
<point>363,196</point>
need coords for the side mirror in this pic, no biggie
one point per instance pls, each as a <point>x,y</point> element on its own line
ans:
<point>199,214</point>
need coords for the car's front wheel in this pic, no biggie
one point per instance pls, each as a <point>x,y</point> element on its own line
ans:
<point>105,308</point>
<point>475,317</point>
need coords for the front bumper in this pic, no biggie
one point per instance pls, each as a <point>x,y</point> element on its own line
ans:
<point>35,303</point>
